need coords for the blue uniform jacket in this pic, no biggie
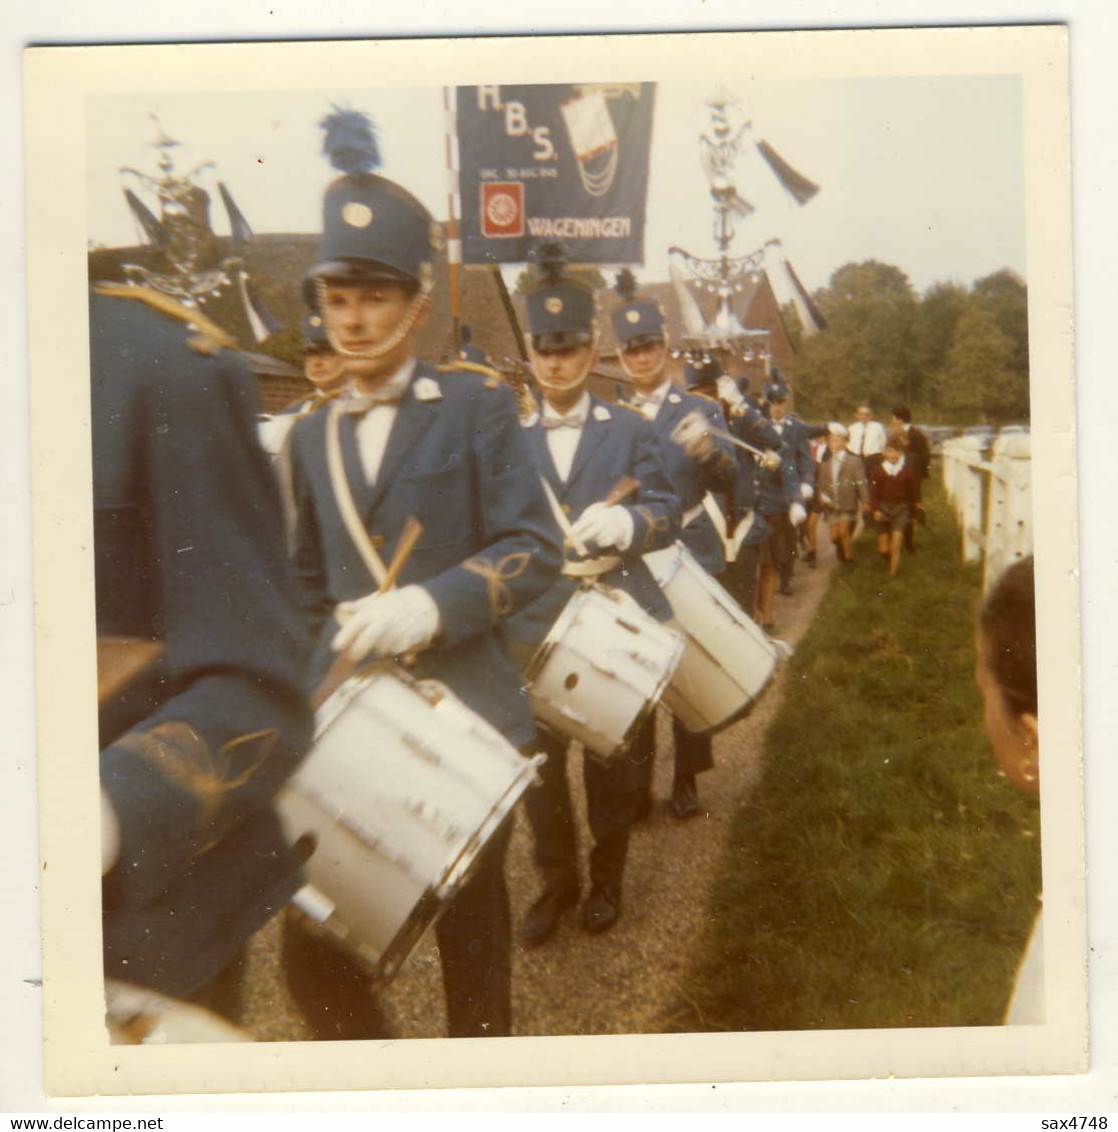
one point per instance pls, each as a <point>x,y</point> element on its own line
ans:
<point>616,441</point>
<point>754,428</point>
<point>692,479</point>
<point>801,436</point>
<point>456,462</point>
<point>189,552</point>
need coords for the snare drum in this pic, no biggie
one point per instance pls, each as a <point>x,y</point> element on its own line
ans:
<point>601,669</point>
<point>402,789</point>
<point>728,660</point>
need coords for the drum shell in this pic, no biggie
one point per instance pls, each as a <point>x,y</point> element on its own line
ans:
<point>728,661</point>
<point>602,668</point>
<point>401,790</point>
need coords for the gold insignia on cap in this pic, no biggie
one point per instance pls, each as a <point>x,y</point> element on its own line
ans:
<point>553,305</point>
<point>315,320</point>
<point>356,214</point>
<point>633,316</point>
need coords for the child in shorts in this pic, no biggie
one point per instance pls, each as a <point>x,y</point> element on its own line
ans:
<point>894,493</point>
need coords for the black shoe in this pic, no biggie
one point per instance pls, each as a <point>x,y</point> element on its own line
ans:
<point>685,797</point>
<point>601,910</point>
<point>644,807</point>
<point>809,558</point>
<point>542,918</point>
<point>786,589</point>
<point>769,629</point>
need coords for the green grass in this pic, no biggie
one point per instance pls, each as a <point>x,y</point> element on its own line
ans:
<point>883,873</point>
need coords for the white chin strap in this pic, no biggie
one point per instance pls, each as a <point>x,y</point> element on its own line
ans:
<point>566,387</point>
<point>645,377</point>
<point>403,327</point>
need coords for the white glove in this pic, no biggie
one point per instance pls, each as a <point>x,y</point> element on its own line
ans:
<point>390,624</point>
<point>770,459</point>
<point>797,514</point>
<point>807,491</point>
<point>728,391</point>
<point>692,434</point>
<point>606,526</point>
<point>110,834</point>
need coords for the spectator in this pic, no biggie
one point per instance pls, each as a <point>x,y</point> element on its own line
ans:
<point>893,496</point>
<point>842,492</point>
<point>1005,672</point>
<point>867,438</point>
<point>920,458</point>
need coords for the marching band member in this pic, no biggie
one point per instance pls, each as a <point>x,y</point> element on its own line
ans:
<point>582,447</point>
<point>748,530</point>
<point>192,579</point>
<point>697,462</point>
<point>445,448</point>
<point>797,435</point>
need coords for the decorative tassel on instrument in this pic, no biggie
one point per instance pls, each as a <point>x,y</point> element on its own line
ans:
<point>263,323</point>
<point>693,320</point>
<point>810,314</point>
<point>239,228</point>
<point>793,181</point>
<point>152,228</point>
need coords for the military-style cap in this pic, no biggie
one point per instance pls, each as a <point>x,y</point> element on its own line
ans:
<point>701,371</point>
<point>775,388</point>
<point>560,311</point>
<point>314,333</point>
<point>372,228</point>
<point>638,322</point>
<point>560,308</point>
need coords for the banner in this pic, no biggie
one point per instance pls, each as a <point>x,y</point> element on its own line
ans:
<point>554,162</point>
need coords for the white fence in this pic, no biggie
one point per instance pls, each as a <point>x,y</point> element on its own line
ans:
<point>992,499</point>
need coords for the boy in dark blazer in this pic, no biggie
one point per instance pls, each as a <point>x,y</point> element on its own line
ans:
<point>446,449</point>
<point>582,447</point>
<point>842,489</point>
<point>698,462</point>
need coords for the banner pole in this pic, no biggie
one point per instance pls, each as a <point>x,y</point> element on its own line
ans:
<point>454,212</point>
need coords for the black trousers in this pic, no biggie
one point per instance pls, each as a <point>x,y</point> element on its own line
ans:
<point>740,578</point>
<point>694,754</point>
<point>611,801</point>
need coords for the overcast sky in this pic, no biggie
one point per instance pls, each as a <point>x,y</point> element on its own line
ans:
<point>922,173</point>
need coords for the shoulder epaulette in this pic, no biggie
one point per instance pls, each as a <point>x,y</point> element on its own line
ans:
<point>632,408</point>
<point>209,337</point>
<point>316,404</point>
<point>493,379</point>
<point>704,396</point>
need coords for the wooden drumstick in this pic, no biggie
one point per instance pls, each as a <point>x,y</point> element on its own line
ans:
<point>625,486</point>
<point>342,667</point>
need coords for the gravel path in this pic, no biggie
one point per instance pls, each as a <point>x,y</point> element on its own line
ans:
<point>620,982</point>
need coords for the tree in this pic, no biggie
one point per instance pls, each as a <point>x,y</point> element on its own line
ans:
<point>979,381</point>
<point>869,350</point>
<point>1005,296</point>
<point>941,308</point>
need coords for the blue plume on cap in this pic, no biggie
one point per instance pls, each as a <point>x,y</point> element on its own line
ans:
<point>351,141</point>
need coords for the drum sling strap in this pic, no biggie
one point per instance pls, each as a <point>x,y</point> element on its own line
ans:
<point>731,544</point>
<point>590,567</point>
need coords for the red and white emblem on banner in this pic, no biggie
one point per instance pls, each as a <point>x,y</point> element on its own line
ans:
<point>502,208</point>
